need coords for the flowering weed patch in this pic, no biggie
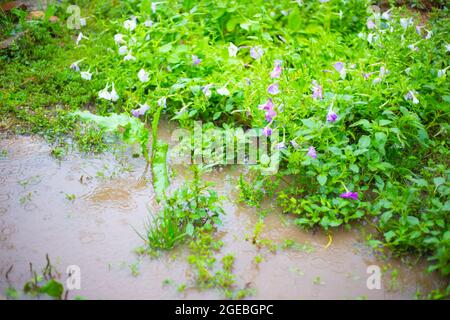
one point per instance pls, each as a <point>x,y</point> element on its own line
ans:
<point>359,96</point>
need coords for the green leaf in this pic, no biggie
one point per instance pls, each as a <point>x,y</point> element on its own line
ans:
<point>12,293</point>
<point>165,48</point>
<point>364,142</point>
<point>190,229</point>
<point>385,217</point>
<point>389,235</point>
<point>413,221</point>
<point>322,179</point>
<point>438,181</point>
<point>217,115</point>
<point>53,289</point>
<point>379,141</point>
<point>159,170</point>
<point>354,168</point>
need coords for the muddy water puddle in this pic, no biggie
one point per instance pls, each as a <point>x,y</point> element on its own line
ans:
<point>85,211</point>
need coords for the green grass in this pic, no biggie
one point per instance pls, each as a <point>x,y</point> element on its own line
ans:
<point>389,143</point>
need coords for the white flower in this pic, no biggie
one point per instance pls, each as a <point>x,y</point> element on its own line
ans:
<point>411,95</point>
<point>413,47</point>
<point>232,50</point>
<point>130,24</point>
<point>80,37</point>
<point>104,94</point>
<point>154,7</point>
<point>123,50</point>
<point>447,47</point>
<point>118,38</point>
<point>386,15</point>
<point>143,76</point>
<point>162,102</point>
<point>207,90</point>
<point>441,73</point>
<point>148,23</point>
<point>256,52</point>
<point>113,94</point>
<point>382,73</point>
<point>83,22</point>
<point>74,66</point>
<point>129,57</point>
<point>140,111</point>
<point>110,96</point>
<point>419,30</point>
<point>405,23</point>
<point>86,75</point>
<point>376,80</point>
<point>223,91</point>
<point>429,34</point>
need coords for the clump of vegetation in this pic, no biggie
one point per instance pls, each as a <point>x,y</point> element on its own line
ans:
<point>192,213</point>
<point>41,284</point>
<point>192,207</point>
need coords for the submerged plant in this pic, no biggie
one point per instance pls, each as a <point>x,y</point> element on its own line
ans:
<point>190,208</point>
<point>41,284</point>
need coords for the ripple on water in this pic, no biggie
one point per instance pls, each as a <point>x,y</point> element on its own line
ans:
<point>3,211</point>
<point>88,237</point>
<point>4,197</point>
<point>6,231</point>
<point>9,169</point>
<point>116,196</point>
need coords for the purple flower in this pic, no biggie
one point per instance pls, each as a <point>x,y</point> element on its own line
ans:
<point>339,66</point>
<point>273,88</point>
<point>270,114</point>
<point>349,195</point>
<point>276,72</point>
<point>207,90</point>
<point>294,144</point>
<point>140,111</point>
<point>317,90</point>
<point>331,116</point>
<point>312,152</point>
<point>370,24</point>
<point>267,106</point>
<point>366,76</point>
<point>196,60</point>
<point>256,52</point>
<point>267,131</point>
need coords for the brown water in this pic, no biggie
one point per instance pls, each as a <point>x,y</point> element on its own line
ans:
<point>95,232</point>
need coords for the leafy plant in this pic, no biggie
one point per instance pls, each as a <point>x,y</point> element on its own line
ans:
<point>190,208</point>
<point>130,129</point>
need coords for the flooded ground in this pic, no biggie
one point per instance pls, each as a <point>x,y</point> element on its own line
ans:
<point>83,211</point>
